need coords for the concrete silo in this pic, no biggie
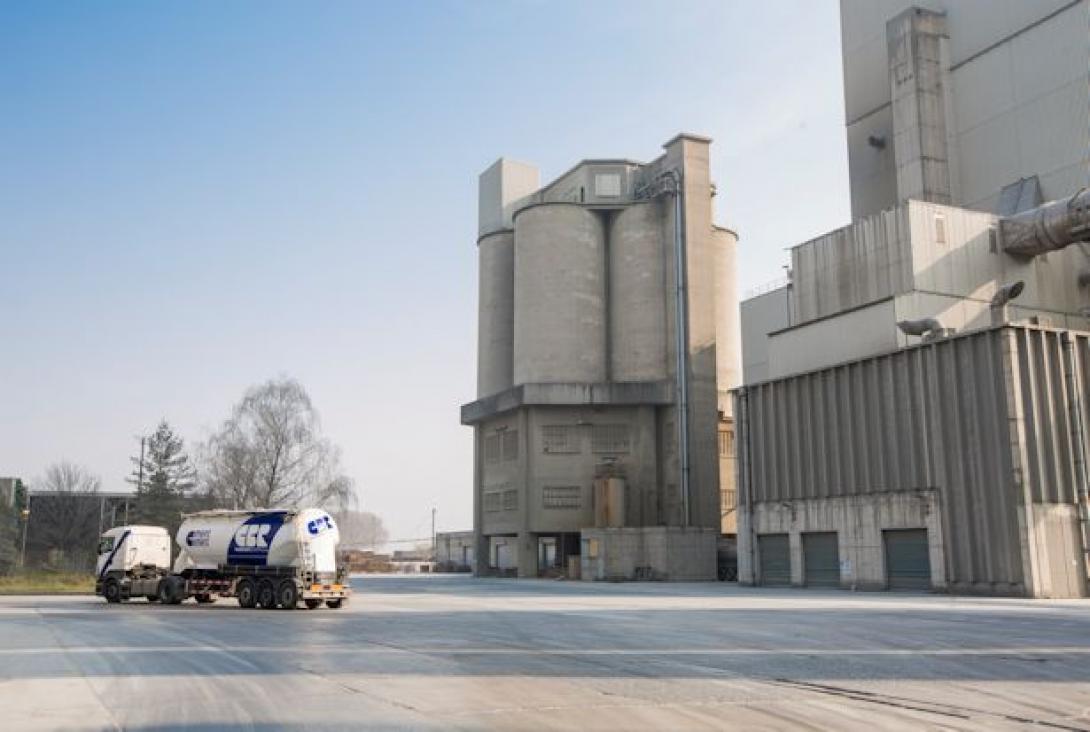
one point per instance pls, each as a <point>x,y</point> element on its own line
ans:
<point>560,311</point>
<point>595,422</point>
<point>727,322</point>
<point>637,294</point>
<point>496,312</point>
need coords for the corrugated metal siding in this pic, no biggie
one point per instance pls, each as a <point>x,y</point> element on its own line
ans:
<point>932,416</point>
<point>869,260</point>
<point>1050,471</point>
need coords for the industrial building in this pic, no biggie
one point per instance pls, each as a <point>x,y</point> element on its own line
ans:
<point>915,400</point>
<point>603,376</point>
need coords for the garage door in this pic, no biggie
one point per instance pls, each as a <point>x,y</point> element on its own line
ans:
<point>775,552</point>
<point>821,559</point>
<point>908,562</point>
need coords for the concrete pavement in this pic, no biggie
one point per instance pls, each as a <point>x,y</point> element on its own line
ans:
<point>454,652</point>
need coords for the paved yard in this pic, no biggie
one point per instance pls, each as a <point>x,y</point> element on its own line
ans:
<point>453,652</point>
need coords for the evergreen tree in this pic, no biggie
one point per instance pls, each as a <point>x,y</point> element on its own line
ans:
<point>9,537</point>
<point>166,481</point>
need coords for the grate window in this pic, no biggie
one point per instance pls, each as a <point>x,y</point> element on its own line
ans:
<point>510,499</point>
<point>609,438</point>
<point>510,445</point>
<point>560,438</point>
<point>562,496</point>
<point>492,449</point>
<point>726,444</point>
<point>493,500</point>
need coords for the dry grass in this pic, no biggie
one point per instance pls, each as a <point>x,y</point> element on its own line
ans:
<point>41,582</point>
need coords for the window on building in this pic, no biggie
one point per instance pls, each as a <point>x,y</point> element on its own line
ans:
<point>940,229</point>
<point>562,496</point>
<point>510,499</point>
<point>510,445</point>
<point>727,500</point>
<point>609,438</point>
<point>493,501</point>
<point>726,444</point>
<point>560,438</point>
<point>492,449</point>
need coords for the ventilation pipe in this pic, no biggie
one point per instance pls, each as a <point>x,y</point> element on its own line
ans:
<point>671,185</point>
<point>1049,227</point>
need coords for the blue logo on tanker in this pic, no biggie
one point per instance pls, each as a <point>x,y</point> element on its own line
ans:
<point>251,542</point>
<point>318,525</point>
<point>198,537</point>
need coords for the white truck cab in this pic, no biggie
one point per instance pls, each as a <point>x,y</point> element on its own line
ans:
<point>125,549</point>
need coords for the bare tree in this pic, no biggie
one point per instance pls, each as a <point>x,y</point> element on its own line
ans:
<point>361,530</point>
<point>65,512</point>
<point>271,453</point>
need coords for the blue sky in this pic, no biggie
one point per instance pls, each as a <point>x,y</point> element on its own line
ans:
<point>195,197</point>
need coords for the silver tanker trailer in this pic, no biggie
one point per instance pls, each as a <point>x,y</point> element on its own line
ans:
<point>265,558</point>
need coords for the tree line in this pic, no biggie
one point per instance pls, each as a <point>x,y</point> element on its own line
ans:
<point>269,453</point>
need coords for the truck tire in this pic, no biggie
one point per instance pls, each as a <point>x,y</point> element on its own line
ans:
<point>153,598</point>
<point>287,595</point>
<point>266,595</point>
<point>112,591</point>
<point>246,592</point>
<point>312,604</point>
<point>334,604</point>
<point>171,591</point>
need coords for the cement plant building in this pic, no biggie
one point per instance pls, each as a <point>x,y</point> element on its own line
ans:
<point>916,399</point>
<point>592,457</point>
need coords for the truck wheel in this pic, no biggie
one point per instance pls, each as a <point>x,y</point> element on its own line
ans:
<point>246,593</point>
<point>112,591</point>
<point>153,598</point>
<point>170,591</point>
<point>313,604</point>
<point>266,595</point>
<point>287,595</point>
<point>334,604</point>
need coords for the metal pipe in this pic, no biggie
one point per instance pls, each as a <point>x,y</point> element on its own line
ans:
<point>1048,227</point>
<point>682,343</point>
<point>745,477</point>
<point>1078,448</point>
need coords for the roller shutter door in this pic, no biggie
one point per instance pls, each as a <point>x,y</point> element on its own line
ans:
<point>775,553</point>
<point>821,559</point>
<point>908,561</point>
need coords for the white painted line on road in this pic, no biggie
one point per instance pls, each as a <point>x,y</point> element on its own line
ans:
<point>386,650</point>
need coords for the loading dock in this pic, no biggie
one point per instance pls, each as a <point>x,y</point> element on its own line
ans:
<point>908,562</point>
<point>821,559</point>
<point>775,557</point>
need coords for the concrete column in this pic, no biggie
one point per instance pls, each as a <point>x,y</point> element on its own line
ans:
<point>917,78</point>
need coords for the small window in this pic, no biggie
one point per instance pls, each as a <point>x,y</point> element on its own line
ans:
<point>607,185</point>
<point>492,449</point>
<point>726,444</point>
<point>510,445</point>
<point>609,438</point>
<point>510,499</point>
<point>562,496</point>
<point>727,500</point>
<point>940,229</point>
<point>559,438</point>
<point>493,501</point>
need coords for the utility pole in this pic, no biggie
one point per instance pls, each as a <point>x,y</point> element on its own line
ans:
<point>26,523</point>
<point>140,473</point>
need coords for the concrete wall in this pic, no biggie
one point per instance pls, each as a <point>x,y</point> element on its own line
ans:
<point>657,552</point>
<point>761,315</point>
<point>1015,98</point>
<point>859,522</point>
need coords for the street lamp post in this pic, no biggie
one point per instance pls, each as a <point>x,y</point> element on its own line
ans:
<point>26,522</point>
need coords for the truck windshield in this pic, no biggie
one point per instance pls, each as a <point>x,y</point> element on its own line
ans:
<point>105,544</point>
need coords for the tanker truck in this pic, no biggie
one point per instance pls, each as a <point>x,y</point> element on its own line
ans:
<point>265,558</point>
